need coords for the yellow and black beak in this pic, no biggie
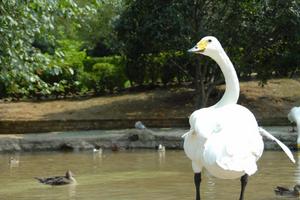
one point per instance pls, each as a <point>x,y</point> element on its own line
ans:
<point>199,48</point>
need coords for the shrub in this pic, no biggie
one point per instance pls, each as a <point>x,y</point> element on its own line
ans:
<point>135,70</point>
<point>107,74</point>
<point>65,68</point>
<point>165,67</point>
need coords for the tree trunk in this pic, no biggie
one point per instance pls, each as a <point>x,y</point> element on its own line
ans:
<point>206,80</point>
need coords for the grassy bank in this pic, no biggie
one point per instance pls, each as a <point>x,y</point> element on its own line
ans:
<point>273,100</point>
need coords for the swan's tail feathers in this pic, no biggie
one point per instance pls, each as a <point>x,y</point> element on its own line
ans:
<point>283,146</point>
<point>190,131</point>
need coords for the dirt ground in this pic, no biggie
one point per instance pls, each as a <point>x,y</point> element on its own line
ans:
<point>273,100</point>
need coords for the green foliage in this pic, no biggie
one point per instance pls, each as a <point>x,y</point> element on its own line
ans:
<point>106,76</point>
<point>104,73</point>
<point>22,24</point>
<point>174,67</point>
<point>146,29</point>
<point>165,67</point>
<point>46,46</point>
<point>254,33</point>
<point>65,68</point>
<point>98,32</point>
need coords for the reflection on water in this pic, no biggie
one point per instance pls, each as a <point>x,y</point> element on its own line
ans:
<point>138,174</point>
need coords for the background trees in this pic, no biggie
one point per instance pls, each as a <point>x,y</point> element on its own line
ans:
<point>28,37</point>
<point>261,37</point>
<point>55,48</point>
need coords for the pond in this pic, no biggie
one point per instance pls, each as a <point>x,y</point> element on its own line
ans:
<point>134,175</point>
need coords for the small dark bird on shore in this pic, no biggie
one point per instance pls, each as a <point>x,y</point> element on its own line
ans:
<point>286,192</point>
<point>58,180</point>
<point>115,147</point>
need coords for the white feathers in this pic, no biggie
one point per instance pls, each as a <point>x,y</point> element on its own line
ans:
<point>161,148</point>
<point>294,115</point>
<point>225,138</point>
<point>283,146</point>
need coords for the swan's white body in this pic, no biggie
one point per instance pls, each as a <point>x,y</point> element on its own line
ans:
<point>225,138</point>
<point>294,116</point>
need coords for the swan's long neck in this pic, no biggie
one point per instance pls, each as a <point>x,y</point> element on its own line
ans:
<point>232,90</point>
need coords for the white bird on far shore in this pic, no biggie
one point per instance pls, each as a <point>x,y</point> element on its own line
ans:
<point>13,162</point>
<point>98,150</point>
<point>161,148</point>
<point>139,125</point>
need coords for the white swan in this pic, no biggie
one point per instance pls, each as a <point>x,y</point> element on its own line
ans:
<point>161,148</point>
<point>224,138</point>
<point>13,162</point>
<point>98,150</point>
<point>294,117</point>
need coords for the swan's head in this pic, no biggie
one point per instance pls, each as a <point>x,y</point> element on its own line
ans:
<point>208,46</point>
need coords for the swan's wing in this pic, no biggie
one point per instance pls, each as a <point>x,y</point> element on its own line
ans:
<point>233,153</point>
<point>243,155</point>
<point>234,142</point>
<point>190,131</point>
<point>283,146</point>
<point>294,114</point>
<point>290,117</point>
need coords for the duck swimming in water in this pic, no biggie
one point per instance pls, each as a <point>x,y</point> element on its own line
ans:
<point>283,191</point>
<point>58,180</point>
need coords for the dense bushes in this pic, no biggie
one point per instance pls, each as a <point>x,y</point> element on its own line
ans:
<point>253,33</point>
<point>69,71</point>
<point>72,72</point>
<point>28,31</point>
<point>164,67</point>
<point>45,45</point>
<point>64,69</point>
<point>104,74</point>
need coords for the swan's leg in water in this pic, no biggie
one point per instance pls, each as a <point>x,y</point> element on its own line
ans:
<point>244,181</point>
<point>293,128</point>
<point>197,181</point>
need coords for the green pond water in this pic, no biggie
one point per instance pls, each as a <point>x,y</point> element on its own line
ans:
<point>134,175</point>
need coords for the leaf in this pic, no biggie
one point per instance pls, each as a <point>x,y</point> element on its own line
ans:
<point>56,70</point>
<point>32,79</point>
<point>71,71</point>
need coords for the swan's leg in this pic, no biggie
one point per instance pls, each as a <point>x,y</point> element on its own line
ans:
<point>293,128</point>
<point>197,181</point>
<point>244,181</point>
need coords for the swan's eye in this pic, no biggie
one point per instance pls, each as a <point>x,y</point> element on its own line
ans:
<point>209,40</point>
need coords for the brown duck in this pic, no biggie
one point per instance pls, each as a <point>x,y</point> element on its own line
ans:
<point>58,180</point>
<point>283,191</point>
